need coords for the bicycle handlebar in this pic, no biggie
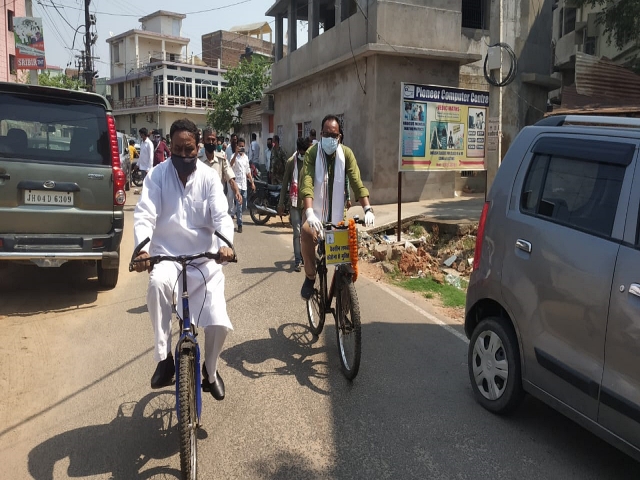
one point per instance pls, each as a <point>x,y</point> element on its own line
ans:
<point>342,227</point>
<point>180,258</point>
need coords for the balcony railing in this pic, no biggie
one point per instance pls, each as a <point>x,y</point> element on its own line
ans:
<point>161,100</point>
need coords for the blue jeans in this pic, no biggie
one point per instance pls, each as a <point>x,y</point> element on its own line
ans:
<point>295,216</point>
<point>240,206</point>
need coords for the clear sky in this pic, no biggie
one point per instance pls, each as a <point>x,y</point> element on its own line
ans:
<point>118,16</point>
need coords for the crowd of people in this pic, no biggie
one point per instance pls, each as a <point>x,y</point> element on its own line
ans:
<point>182,204</point>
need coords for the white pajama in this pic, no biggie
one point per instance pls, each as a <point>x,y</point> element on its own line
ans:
<point>181,220</point>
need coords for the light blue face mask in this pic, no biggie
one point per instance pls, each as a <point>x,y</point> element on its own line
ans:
<point>329,145</point>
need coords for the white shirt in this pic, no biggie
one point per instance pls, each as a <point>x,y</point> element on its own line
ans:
<point>241,168</point>
<point>267,159</point>
<point>254,152</point>
<point>229,152</point>
<point>145,162</point>
<point>314,141</point>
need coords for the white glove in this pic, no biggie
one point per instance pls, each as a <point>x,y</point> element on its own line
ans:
<point>369,218</point>
<point>313,221</point>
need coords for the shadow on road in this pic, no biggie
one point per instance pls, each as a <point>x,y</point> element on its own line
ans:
<point>69,287</point>
<point>139,310</point>
<point>292,344</point>
<point>285,466</point>
<point>277,267</point>
<point>140,432</point>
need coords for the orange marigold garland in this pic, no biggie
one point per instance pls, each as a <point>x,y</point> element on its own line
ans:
<point>353,247</point>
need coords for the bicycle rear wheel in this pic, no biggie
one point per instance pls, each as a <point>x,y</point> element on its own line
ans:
<point>188,416</point>
<point>348,328</point>
<point>315,305</point>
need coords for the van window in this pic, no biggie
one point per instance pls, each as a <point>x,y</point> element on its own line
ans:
<point>53,130</point>
<point>577,193</point>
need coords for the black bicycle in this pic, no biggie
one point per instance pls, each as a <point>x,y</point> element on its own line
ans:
<point>187,358</point>
<point>347,310</point>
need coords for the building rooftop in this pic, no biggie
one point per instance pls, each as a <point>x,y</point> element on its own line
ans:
<point>162,13</point>
<point>260,27</point>
<point>147,33</point>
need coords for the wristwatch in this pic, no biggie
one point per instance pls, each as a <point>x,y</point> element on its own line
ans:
<point>368,209</point>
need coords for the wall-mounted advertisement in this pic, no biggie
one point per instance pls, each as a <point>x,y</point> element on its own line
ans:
<point>29,43</point>
<point>442,128</point>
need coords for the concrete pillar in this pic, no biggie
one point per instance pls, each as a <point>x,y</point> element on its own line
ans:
<point>314,17</point>
<point>292,17</point>
<point>164,50</point>
<point>137,61</point>
<point>279,37</point>
<point>338,4</point>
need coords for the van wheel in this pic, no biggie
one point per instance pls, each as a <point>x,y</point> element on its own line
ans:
<point>107,277</point>
<point>494,366</point>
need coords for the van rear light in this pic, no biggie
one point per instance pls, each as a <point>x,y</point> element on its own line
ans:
<point>480,237</point>
<point>119,180</point>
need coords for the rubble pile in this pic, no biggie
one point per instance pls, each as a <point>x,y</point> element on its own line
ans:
<point>441,256</point>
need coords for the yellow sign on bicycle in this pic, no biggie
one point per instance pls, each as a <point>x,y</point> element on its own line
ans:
<point>336,247</point>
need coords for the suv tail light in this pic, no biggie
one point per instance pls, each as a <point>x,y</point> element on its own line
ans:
<point>480,237</point>
<point>119,180</point>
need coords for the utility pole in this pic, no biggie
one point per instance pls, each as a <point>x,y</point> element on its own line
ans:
<point>33,74</point>
<point>88,64</point>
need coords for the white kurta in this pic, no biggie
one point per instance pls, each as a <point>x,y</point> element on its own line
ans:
<point>181,220</point>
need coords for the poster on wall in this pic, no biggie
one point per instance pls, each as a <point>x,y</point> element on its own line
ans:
<point>442,128</point>
<point>29,41</point>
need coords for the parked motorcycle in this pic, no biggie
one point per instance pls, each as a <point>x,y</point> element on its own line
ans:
<point>263,203</point>
<point>136,174</point>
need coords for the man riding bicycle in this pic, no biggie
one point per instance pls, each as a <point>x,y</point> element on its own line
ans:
<point>181,206</point>
<point>327,166</point>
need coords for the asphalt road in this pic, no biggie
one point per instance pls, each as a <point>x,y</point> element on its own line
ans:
<point>75,366</point>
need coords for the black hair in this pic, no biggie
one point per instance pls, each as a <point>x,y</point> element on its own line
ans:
<point>276,138</point>
<point>234,135</point>
<point>185,125</point>
<point>303,143</point>
<point>132,142</point>
<point>253,136</point>
<point>269,139</point>
<point>240,140</point>
<point>155,132</point>
<point>144,131</point>
<point>330,118</point>
<point>312,133</point>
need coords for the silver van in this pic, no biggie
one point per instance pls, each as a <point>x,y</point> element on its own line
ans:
<point>61,181</point>
<point>553,305</point>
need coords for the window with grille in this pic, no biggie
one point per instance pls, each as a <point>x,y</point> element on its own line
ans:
<point>473,13</point>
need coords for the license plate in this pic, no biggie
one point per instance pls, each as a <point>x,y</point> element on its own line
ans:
<point>37,197</point>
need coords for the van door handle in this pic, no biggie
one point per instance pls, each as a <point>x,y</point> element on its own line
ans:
<point>523,245</point>
<point>634,289</point>
<point>5,176</point>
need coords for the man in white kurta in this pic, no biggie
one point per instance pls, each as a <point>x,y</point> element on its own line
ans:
<point>180,219</point>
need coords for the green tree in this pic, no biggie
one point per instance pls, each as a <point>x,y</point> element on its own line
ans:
<point>60,81</point>
<point>620,18</point>
<point>245,83</point>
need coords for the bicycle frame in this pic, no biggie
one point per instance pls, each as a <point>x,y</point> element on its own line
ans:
<point>188,341</point>
<point>341,271</point>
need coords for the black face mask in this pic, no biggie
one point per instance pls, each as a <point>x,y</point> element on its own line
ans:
<point>185,166</point>
<point>210,147</point>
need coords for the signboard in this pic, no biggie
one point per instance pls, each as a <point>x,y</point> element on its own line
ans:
<point>29,43</point>
<point>336,247</point>
<point>442,128</point>
<point>493,126</point>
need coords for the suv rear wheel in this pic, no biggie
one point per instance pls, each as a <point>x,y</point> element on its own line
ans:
<point>494,366</point>
<point>108,277</point>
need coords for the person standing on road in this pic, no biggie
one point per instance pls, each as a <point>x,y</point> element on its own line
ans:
<point>180,208</point>
<point>327,166</point>
<point>133,153</point>
<point>217,160</point>
<point>240,164</point>
<point>145,162</point>
<point>278,161</point>
<point>312,136</point>
<point>230,151</point>
<point>267,158</point>
<point>254,151</point>
<point>161,151</point>
<point>293,179</point>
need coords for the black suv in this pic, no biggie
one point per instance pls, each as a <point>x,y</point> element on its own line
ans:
<point>61,183</point>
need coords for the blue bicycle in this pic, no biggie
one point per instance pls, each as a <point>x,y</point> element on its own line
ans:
<point>187,358</point>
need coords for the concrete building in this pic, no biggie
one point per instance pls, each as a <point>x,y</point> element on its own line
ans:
<point>9,9</point>
<point>154,81</point>
<point>354,67</point>
<point>226,47</point>
<point>576,33</point>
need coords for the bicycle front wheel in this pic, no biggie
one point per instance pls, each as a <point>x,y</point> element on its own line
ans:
<point>188,416</point>
<point>315,305</point>
<point>348,328</point>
